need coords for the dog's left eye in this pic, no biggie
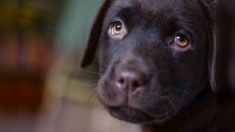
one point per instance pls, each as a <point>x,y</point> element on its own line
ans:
<point>117,30</point>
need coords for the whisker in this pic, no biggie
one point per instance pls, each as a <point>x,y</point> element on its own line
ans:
<point>92,97</point>
<point>92,72</point>
<point>93,82</point>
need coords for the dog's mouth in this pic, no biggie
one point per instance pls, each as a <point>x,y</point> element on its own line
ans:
<point>130,114</point>
<point>133,115</point>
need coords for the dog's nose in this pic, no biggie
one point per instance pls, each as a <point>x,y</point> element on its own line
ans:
<point>129,80</point>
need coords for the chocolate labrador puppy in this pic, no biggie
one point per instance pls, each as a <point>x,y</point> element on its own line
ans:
<point>157,61</point>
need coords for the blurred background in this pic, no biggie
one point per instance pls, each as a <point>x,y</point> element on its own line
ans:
<point>42,88</point>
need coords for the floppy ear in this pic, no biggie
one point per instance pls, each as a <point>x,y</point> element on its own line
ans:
<point>208,8</point>
<point>95,33</point>
<point>213,53</point>
<point>218,49</point>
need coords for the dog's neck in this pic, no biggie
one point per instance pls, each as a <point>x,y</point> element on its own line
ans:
<point>198,117</point>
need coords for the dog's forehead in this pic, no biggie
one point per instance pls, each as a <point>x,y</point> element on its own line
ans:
<point>149,5</point>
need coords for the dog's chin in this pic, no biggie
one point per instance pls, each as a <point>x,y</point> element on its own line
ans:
<point>136,116</point>
<point>129,114</point>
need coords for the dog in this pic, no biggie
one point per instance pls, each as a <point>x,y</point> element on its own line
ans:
<point>158,61</point>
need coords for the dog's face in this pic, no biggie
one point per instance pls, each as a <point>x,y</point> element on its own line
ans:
<point>153,57</point>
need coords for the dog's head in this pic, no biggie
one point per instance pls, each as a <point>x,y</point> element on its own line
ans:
<point>155,56</point>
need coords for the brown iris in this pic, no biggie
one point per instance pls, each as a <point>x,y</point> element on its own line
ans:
<point>181,41</point>
<point>117,28</point>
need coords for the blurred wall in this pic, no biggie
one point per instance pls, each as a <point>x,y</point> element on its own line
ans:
<point>74,25</point>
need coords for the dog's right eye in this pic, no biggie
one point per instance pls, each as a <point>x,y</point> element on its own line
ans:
<point>180,41</point>
<point>117,30</point>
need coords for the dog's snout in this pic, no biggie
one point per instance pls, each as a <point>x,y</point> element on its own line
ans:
<point>130,79</point>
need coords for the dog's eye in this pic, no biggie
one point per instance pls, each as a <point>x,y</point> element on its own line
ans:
<point>181,41</point>
<point>117,30</point>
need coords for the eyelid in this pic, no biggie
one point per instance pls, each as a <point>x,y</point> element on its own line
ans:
<point>186,33</point>
<point>114,19</point>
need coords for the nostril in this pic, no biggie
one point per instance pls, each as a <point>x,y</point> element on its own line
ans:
<point>121,83</point>
<point>130,80</point>
<point>121,80</point>
<point>136,84</point>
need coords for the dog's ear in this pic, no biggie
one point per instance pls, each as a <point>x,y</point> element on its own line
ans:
<point>218,49</point>
<point>214,69</point>
<point>94,36</point>
<point>208,8</point>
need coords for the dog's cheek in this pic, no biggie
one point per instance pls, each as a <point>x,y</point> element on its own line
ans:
<point>103,61</point>
<point>106,59</point>
<point>104,55</point>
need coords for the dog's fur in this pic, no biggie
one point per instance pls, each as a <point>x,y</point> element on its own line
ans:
<point>177,95</point>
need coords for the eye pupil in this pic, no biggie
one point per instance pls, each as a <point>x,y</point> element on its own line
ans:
<point>118,27</point>
<point>180,39</point>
